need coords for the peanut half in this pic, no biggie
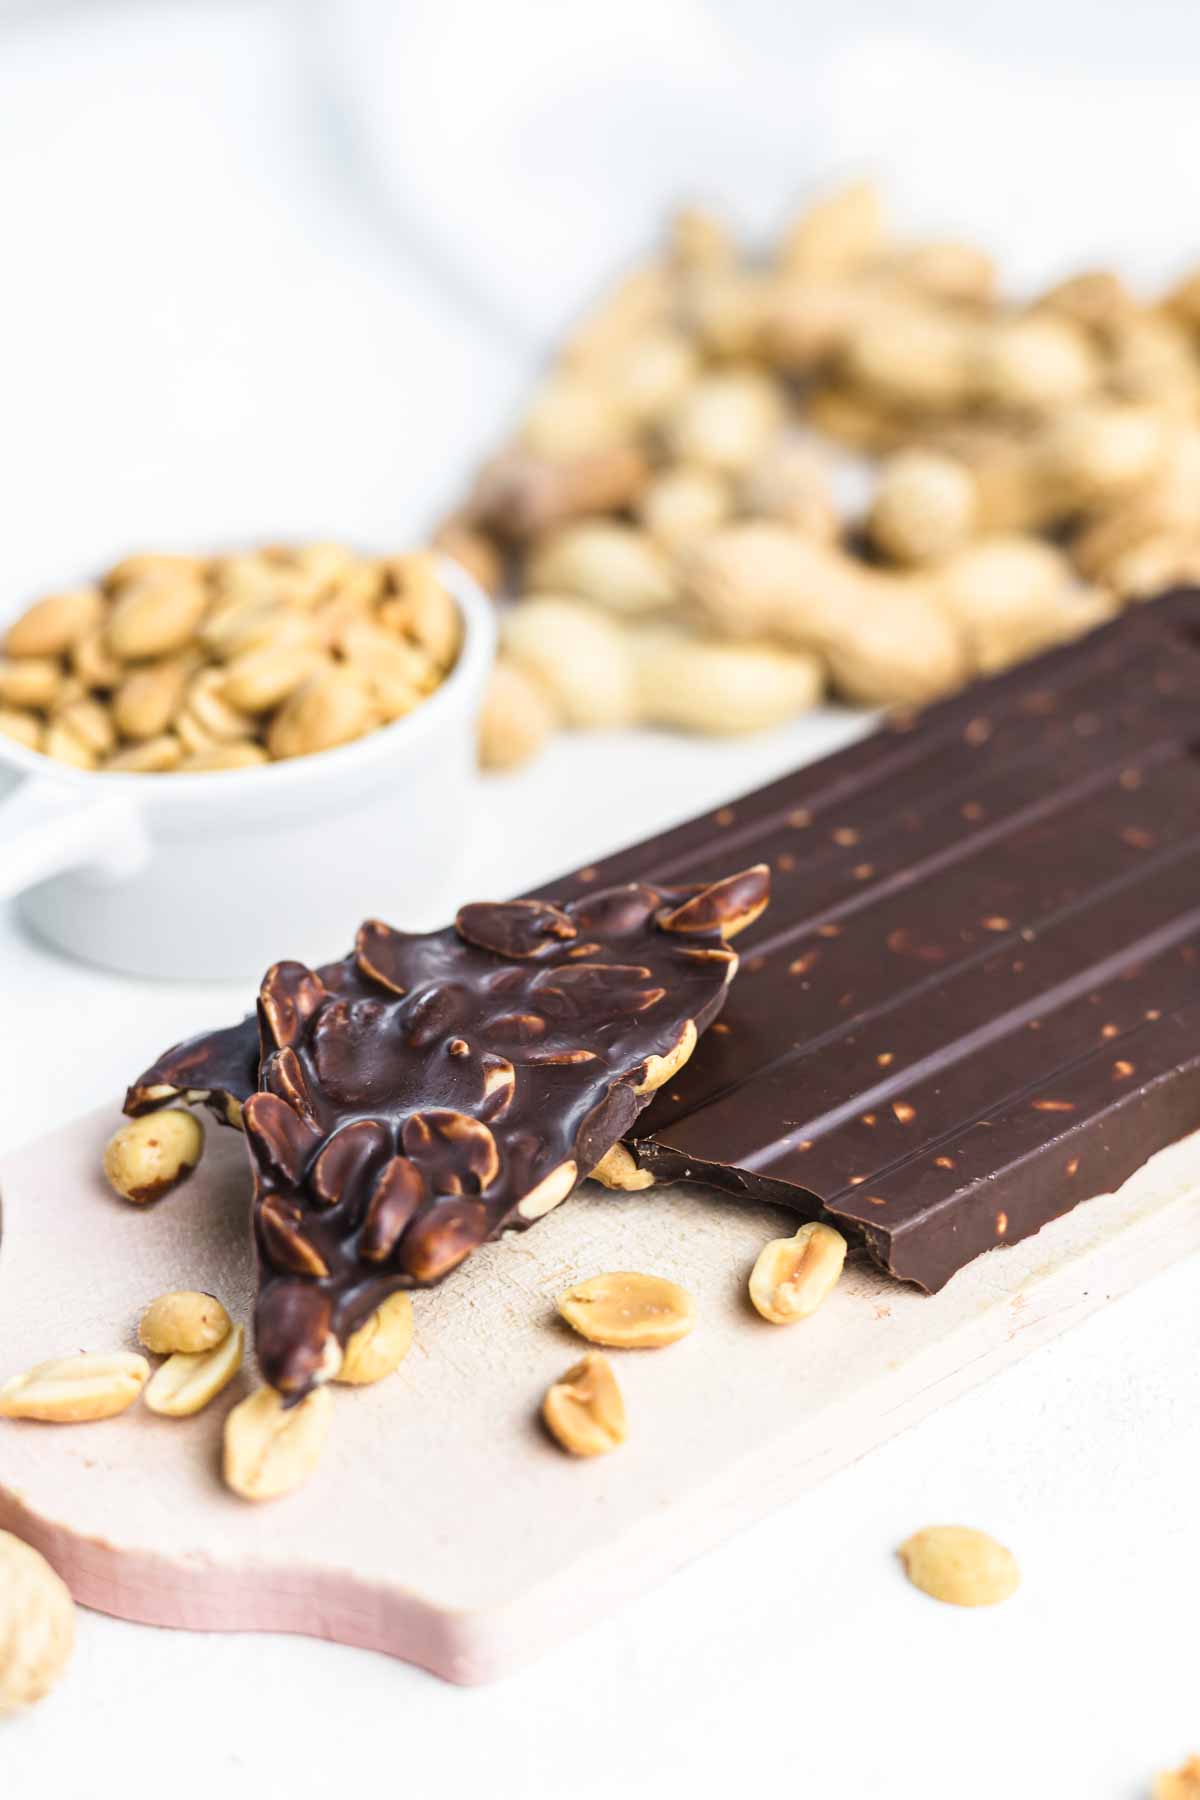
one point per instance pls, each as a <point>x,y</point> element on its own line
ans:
<point>380,1344</point>
<point>584,1410</point>
<point>183,1321</point>
<point>960,1566</point>
<point>188,1380</point>
<point>270,1451</point>
<point>793,1276</point>
<point>37,1625</point>
<point>74,1390</point>
<point>149,1156</point>
<point>628,1311</point>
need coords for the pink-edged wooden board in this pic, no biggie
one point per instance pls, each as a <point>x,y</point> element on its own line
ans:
<point>443,1526</point>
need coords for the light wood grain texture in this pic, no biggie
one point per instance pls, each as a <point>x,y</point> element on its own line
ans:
<point>443,1525</point>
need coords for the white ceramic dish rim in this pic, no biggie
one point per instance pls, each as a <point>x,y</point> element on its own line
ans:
<point>475,654</point>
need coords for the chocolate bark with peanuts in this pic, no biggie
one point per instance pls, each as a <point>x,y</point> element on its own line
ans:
<point>440,1088</point>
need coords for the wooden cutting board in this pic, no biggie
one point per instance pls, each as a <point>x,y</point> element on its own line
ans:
<point>443,1526</point>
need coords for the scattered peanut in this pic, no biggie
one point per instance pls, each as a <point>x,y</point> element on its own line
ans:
<point>147,1157</point>
<point>793,1276</point>
<point>188,1380</point>
<point>269,1451</point>
<point>37,1625</point>
<point>628,1311</point>
<point>584,1411</point>
<point>380,1344</point>
<point>74,1390</point>
<point>185,1321</point>
<point>960,1566</point>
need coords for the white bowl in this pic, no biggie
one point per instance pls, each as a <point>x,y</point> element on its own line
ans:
<point>218,875</point>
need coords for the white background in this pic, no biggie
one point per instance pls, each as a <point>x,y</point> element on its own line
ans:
<point>272,269</point>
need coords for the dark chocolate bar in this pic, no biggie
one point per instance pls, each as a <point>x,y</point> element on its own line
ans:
<point>437,1089</point>
<point>976,1001</point>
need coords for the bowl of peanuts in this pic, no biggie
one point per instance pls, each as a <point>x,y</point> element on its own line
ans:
<point>212,758</point>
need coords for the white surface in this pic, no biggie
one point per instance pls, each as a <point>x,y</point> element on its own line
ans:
<point>206,334</point>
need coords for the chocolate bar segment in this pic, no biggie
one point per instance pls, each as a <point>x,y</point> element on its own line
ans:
<point>976,1001</point>
<point>437,1089</point>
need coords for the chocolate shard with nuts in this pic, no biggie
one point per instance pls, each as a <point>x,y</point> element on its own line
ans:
<point>437,1089</point>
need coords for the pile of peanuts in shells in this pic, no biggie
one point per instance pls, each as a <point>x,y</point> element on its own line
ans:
<point>667,518</point>
<point>195,663</point>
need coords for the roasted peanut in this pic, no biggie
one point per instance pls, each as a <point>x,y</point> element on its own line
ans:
<point>628,1311</point>
<point>149,697</point>
<point>584,1411</point>
<point>790,482</point>
<point>51,627</point>
<point>725,420</point>
<point>155,617</point>
<point>66,746</point>
<point>689,681</point>
<point>914,357</point>
<point>380,1344</point>
<point>579,656</point>
<point>960,1566</point>
<point>241,754</point>
<point>75,1390</point>
<point>30,681</point>
<point>183,1320</point>
<point>924,507</point>
<point>837,234</point>
<point>90,723</point>
<point>572,416</point>
<point>188,1380</point>
<point>23,727</point>
<point>150,1155</point>
<point>1011,596</point>
<point>683,503</point>
<point>612,564</point>
<point>517,718</point>
<point>154,757</point>
<point>331,708</point>
<point>653,373</point>
<point>270,1451</point>
<point>698,239</point>
<point>37,1625</point>
<point>474,551</point>
<point>793,1276</point>
<point>1036,364</point>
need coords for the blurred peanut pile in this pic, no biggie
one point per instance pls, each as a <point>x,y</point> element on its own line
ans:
<point>186,663</point>
<point>666,513</point>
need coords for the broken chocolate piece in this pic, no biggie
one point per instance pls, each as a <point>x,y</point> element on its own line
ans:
<point>401,1119</point>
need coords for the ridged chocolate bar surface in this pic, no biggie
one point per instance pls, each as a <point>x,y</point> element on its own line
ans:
<point>975,1001</point>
